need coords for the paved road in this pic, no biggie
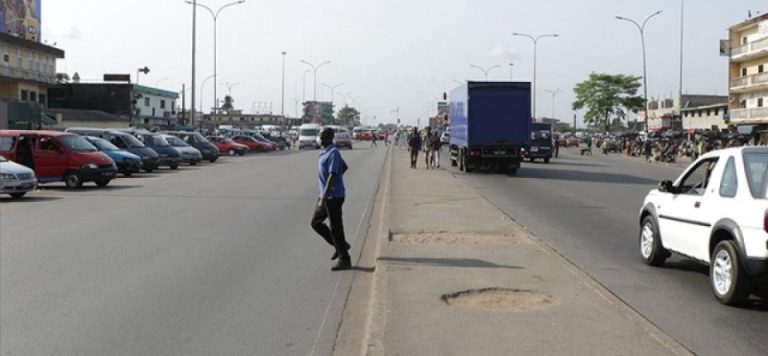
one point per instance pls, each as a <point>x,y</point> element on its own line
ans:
<point>210,260</point>
<point>587,207</point>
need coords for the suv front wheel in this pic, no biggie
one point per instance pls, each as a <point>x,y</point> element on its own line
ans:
<point>652,251</point>
<point>730,283</point>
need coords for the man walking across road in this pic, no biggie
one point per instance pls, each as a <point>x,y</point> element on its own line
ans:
<point>331,169</point>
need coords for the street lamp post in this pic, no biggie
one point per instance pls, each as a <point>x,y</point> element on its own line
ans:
<point>535,53</point>
<point>333,89</point>
<point>282,97</point>
<point>144,70</point>
<point>641,28</point>
<point>202,88</point>
<point>157,83</point>
<point>554,94</point>
<point>215,15</point>
<point>315,68</point>
<point>485,70</point>
<point>510,70</point>
<point>304,86</point>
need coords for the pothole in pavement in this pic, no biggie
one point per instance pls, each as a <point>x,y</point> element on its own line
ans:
<point>448,238</point>
<point>501,300</point>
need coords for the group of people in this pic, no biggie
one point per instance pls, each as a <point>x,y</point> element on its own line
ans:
<point>429,142</point>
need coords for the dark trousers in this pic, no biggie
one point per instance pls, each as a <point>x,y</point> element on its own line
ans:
<point>334,235</point>
<point>414,156</point>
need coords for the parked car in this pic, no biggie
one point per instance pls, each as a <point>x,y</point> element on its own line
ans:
<point>127,163</point>
<point>58,156</point>
<point>16,180</point>
<point>252,143</point>
<point>189,154</point>
<point>280,141</point>
<point>169,156</point>
<point>209,151</point>
<point>716,212</point>
<point>150,160</point>
<point>226,145</point>
<point>572,141</point>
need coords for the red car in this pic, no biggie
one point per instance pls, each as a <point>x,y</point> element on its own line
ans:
<point>573,141</point>
<point>253,144</point>
<point>58,156</point>
<point>226,145</point>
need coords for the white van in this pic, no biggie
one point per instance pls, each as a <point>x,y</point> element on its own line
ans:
<point>308,134</point>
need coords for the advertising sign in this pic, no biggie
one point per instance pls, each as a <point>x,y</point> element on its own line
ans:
<point>21,18</point>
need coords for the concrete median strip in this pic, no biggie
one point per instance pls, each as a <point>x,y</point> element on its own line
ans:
<point>453,275</point>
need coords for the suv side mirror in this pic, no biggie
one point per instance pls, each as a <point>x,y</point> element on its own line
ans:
<point>666,187</point>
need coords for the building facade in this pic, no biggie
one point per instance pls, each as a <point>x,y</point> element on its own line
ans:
<point>708,117</point>
<point>27,70</point>
<point>666,114</point>
<point>139,105</point>
<point>748,72</point>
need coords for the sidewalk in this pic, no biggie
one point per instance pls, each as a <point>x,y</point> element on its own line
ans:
<point>456,276</point>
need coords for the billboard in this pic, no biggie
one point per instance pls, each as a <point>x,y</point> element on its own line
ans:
<point>21,18</point>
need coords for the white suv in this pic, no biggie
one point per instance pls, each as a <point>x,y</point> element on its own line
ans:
<point>716,212</point>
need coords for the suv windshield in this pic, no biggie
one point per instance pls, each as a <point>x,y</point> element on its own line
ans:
<point>175,141</point>
<point>102,144</point>
<point>756,165</point>
<point>77,143</point>
<point>132,142</point>
<point>157,140</point>
<point>308,132</point>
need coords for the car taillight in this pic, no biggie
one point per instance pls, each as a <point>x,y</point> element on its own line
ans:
<point>472,153</point>
<point>765,221</point>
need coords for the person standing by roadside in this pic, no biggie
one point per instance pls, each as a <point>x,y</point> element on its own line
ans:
<point>427,146</point>
<point>331,169</point>
<point>414,145</point>
<point>557,147</point>
<point>647,149</point>
<point>435,160</point>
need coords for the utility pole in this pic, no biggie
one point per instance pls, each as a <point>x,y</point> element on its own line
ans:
<point>510,70</point>
<point>282,99</point>
<point>680,92</point>
<point>194,29</point>
<point>183,104</point>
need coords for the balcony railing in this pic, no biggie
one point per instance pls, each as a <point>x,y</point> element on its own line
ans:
<point>21,74</point>
<point>749,48</point>
<point>754,79</point>
<point>750,114</point>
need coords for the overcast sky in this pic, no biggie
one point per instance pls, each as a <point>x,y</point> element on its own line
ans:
<point>393,53</point>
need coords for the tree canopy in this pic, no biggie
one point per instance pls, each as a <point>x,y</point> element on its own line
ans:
<point>348,116</point>
<point>229,104</point>
<point>606,95</point>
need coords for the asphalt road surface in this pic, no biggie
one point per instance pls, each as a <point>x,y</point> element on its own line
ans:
<point>587,208</point>
<point>217,259</point>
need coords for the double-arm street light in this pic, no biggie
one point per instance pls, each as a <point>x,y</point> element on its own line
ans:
<point>554,94</point>
<point>202,87</point>
<point>535,51</point>
<point>332,89</point>
<point>315,68</point>
<point>215,15</point>
<point>641,28</point>
<point>485,70</point>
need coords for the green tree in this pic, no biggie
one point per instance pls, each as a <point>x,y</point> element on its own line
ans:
<point>604,95</point>
<point>348,116</point>
<point>229,103</point>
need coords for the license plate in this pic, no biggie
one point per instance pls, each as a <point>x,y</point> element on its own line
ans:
<point>499,152</point>
<point>107,174</point>
<point>534,149</point>
<point>27,186</point>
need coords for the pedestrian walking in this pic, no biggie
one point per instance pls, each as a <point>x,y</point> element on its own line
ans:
<point>331,168</point>
<point>557,148</point>
<point>373,139</point>
<point>647,149</point>
<point>414,145</point>
<point>386,138</point>
<point>435,159</point>
<point>428,146</point>
<point>604,147</point>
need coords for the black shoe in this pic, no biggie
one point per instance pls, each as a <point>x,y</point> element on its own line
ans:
<point>343,264</point>
<point>336,254</point>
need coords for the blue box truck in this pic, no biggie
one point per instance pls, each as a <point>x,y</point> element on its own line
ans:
<point>490,125</point>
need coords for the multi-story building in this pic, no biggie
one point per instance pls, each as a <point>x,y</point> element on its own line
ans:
<point>138,105</point>
<point>238,119</point>
<point>708,117</point>
<point>666,114</point>
<point>27,70</point>
<point>748,72</point>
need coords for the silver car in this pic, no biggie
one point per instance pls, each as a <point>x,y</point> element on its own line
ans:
<point>188,153</point>
<point>15,179</point>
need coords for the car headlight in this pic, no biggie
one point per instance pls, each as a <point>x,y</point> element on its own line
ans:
<point>91,166</point>
<point>7,176</point>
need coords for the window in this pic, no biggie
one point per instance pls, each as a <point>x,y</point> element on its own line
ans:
<point>6,143</point>
<point>47,145</point>
<point>759,102</point>
<point>709,112</point>
<point>146,101</point>
<point>42,98</point>
<point>730,182</point>
<point>6,58</point>
<point>744,40</point>
<point>717,112</point>
<point>760,68</point>
<point>24,95</point>
<point>162,104</point>
<point>756,165</point>
<point>697,179</point>
<point>33,96</point>
<point>743,104</point>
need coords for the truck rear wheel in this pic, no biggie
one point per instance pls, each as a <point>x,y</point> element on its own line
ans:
<point>546,160</point>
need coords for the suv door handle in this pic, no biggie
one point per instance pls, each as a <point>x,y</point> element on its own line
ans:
<point>697,204</point>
